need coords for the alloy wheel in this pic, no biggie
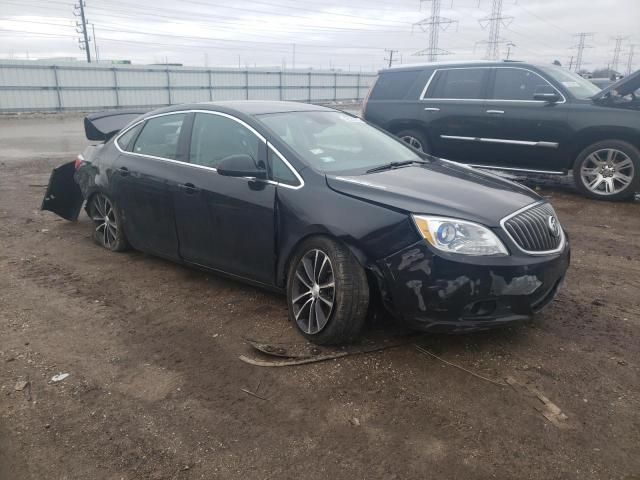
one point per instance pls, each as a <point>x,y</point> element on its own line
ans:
<point>412,142</point>
<point>313,292</point>
<point>104,220</point>
<point>607,171</point>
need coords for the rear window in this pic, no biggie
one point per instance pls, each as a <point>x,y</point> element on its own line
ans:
<point>159,137</point>
<point>458,83</point>
<point>394,85</point>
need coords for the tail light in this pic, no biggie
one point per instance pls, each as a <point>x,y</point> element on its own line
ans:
<point>366,97</point>
<point>79,160</point>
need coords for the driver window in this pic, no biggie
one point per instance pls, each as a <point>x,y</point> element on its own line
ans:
<point>215,138</point>
<point>518,84</point>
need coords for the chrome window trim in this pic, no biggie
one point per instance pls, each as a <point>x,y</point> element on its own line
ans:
<point>528,252</point>
<point>503,140</point>
<point>426,87</point>
<point>212,169</point>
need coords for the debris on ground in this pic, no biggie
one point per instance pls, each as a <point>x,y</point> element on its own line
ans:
<point>291,354</point>
<point>59,377</point>
<point>21,385</point>
<point>540,403</point>
<point>253,394</point>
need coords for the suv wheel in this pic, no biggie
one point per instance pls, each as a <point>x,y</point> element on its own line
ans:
<point>415,139</point>
<point>327,292</point>
<point>608,170</point>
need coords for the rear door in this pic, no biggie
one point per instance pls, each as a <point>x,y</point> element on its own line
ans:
<point>141,182</point>
<point>225,223</point>
<point>521,132</point>
<point>453,108</point>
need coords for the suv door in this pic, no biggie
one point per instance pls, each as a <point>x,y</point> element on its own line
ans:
<point>225,223</point>
<point>453,110</point>
<point>141,179</point>
<point>521,132</point>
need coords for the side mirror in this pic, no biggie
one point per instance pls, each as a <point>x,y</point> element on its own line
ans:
<point>240,165</point>
<point>549,97</point>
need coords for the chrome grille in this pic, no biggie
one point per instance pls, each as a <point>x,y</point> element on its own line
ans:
<point>530,229</point>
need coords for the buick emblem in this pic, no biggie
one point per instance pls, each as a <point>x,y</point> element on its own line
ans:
<point>554,228</point>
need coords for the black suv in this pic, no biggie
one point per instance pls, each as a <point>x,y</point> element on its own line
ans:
<point>516,116</point>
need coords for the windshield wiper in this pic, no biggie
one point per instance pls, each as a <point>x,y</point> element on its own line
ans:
<point>392,165</point>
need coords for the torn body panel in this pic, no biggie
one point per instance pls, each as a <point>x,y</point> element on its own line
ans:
<point>63,196</point>
<point>439,293</point>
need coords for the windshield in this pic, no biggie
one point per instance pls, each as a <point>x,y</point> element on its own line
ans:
<point>333,142</point>
<point>579,87</point>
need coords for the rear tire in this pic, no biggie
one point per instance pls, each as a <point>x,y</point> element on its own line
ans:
<point>415,139</point>
<point>608,170</point>
<point>107,223</point>
<point>327,292</point>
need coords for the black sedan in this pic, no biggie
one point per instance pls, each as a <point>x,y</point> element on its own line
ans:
<point>317,203</point>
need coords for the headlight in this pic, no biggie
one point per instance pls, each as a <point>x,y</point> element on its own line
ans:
<point>459,236</point>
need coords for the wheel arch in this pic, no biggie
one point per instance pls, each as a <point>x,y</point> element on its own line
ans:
<point>589,136</point>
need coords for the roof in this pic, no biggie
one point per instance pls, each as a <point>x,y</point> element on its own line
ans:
<point>256,107</point>
<point>449,63</point>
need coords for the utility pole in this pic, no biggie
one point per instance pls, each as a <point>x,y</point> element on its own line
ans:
<point>390,51</point>
<point>630,59</point>
<point>616,53</point>
<point>582,36</point>
<point>494,21</point>
<point>509,45</point>
<point>81,28</point>
<point>432,26</point>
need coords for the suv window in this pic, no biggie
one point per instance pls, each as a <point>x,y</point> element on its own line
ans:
<point>216,137</point>
<point>159,136</point>
<point>280,172</point>
<point>125,142</point>
<point>518,84</point>
<point>458,83</point>
<point>393,85</point>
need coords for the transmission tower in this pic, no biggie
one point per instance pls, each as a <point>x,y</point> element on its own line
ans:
<point>494,21</point>
<point>630,59</point>
<point>616,53</point>
<point>81,28</point>
<point>432,25</point>
<point>582,36</point>
<point>390,59</point>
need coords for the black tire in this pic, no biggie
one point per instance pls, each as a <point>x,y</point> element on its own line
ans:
<point>587,160</point>
<point>109,235</point>
<point>344,321</point>
<point>408,136</point>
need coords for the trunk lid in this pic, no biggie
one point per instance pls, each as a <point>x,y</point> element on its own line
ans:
<point>104,125</point>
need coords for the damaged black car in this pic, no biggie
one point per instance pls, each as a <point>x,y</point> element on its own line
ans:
<point>320,205</point>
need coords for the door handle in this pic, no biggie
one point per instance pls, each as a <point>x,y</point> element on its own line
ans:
<point>188,188</point>
<point>495,112</point>
<point>124,171</point>
<point>431,109</point>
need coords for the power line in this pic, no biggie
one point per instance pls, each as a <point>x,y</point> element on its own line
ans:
<point>494,21</point>
<point>81,27</point>
<point>582,36</point>
<point>432,25</point>
<point>630,59</point>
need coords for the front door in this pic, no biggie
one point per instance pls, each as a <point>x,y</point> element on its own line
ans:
<point>521,132</point>
<point>225,223</point>
<point>452,108</point>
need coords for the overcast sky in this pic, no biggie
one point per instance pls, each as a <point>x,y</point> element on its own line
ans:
<point>342,34</point>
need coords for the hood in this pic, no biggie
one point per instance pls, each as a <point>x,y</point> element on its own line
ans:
<point>104,125</point>
<point>441,188</point>
<point>624,86</point>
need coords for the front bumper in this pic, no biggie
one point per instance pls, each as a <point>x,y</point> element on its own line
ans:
<point>443,292</point>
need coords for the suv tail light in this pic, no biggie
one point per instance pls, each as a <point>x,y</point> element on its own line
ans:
<point>79,160</point>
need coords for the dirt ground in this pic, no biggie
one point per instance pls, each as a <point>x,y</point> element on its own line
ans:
<point>155,385</point>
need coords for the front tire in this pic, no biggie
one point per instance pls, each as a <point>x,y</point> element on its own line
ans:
<point>107,224</point>
<point>415,139</point>
<point>608,170</point>
<point>327,292</point>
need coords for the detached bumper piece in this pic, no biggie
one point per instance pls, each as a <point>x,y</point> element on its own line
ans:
<point>63,196</point>
<point>431,292</point>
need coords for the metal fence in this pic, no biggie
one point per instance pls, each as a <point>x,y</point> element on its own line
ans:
<point>37,87</point>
